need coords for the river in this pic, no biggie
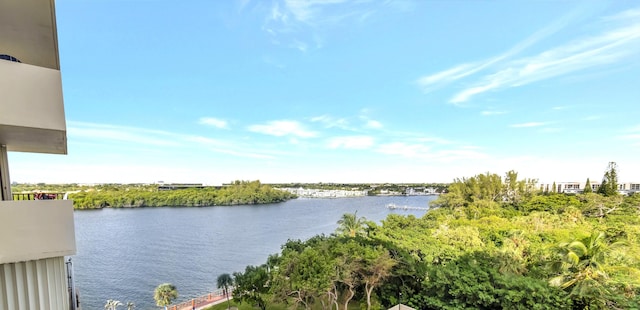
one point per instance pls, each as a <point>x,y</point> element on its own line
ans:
<point>123,254</point>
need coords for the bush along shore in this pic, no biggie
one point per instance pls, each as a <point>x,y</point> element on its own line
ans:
<point>236,193</point>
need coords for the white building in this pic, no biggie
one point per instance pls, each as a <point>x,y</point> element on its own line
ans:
<point>36,235</point>
<point>578,187</point>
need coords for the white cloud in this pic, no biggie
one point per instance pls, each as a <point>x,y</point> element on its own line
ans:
<point>373,124</point>
<point>431,82</point>
<point>351,142</point>
<point>215,122</point>
<point>332,122</point>
<point>527,125</point>
<point>283,128</point>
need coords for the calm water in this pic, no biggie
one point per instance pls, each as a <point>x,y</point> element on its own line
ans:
<point>124,254</point>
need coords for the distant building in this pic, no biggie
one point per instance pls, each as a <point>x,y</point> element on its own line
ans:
<point>324,193</point>
<point>578,187</point>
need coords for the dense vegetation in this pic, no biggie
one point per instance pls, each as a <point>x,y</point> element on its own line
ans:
<point>491,243</point>
<point>136,195</point>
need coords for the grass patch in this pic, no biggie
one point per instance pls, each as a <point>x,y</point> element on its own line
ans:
<point>244,306</point>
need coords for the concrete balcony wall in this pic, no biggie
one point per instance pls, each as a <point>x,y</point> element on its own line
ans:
<point>31,110</point>
<point>33,230</point>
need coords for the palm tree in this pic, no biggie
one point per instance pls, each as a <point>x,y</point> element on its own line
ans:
<point>583,268</point>
<point>224,281</point>
<point>130,306</point>
<point>165,294</point>
<point>350,225</point>
<point>112,304</point>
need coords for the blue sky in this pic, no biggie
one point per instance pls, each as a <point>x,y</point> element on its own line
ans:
<point>344,91</point>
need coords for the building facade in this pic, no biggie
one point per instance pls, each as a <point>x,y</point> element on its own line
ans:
<point>627,188</point>
<point>35,235</point>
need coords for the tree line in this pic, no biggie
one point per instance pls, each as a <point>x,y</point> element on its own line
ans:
<point>491,242</point>
<point>236,193</point>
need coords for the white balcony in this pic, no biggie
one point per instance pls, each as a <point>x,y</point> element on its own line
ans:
<point>32,111</point>
<point>36,229</point>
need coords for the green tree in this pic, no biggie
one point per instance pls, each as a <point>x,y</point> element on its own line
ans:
<point>514,190</point>
<point>587,187</point>
<point>351,225</point>
<point>252,286</point>
<point>472,281</point>
<point>224,281</point>
<point>348,264</point>
<point>582,267</point>
<point>164,294</point>
<point>376,268</point>
<point>609,186</point>
<point>306,276</point>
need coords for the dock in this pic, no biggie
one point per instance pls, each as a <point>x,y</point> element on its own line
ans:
<point>394,206</point>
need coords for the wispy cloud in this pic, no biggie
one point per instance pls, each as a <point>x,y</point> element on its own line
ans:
<point>332,122</point>
<point>224,147</point>
<point>619,40</point>
<point>215,122</point>
<point>104,132</point>
<point>528,125</point>
<point>551,130</point>
<point>351,142</point>
<point>283,128</point>
<point>299,23</point>
<point>492,112</point>
<point>301,46</point>
<point>127,136</point>
<point>611,46</point>
<point>433,81</point>
<point>632,134</point>
<point>373,124</point>
<point>425,152</point>
<point>345,123</point>
<point>592,118</point>
<point>434,140</point>
<point>307,11</point>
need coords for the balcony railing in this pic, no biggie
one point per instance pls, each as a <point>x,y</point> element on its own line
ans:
<point>38,196</point>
